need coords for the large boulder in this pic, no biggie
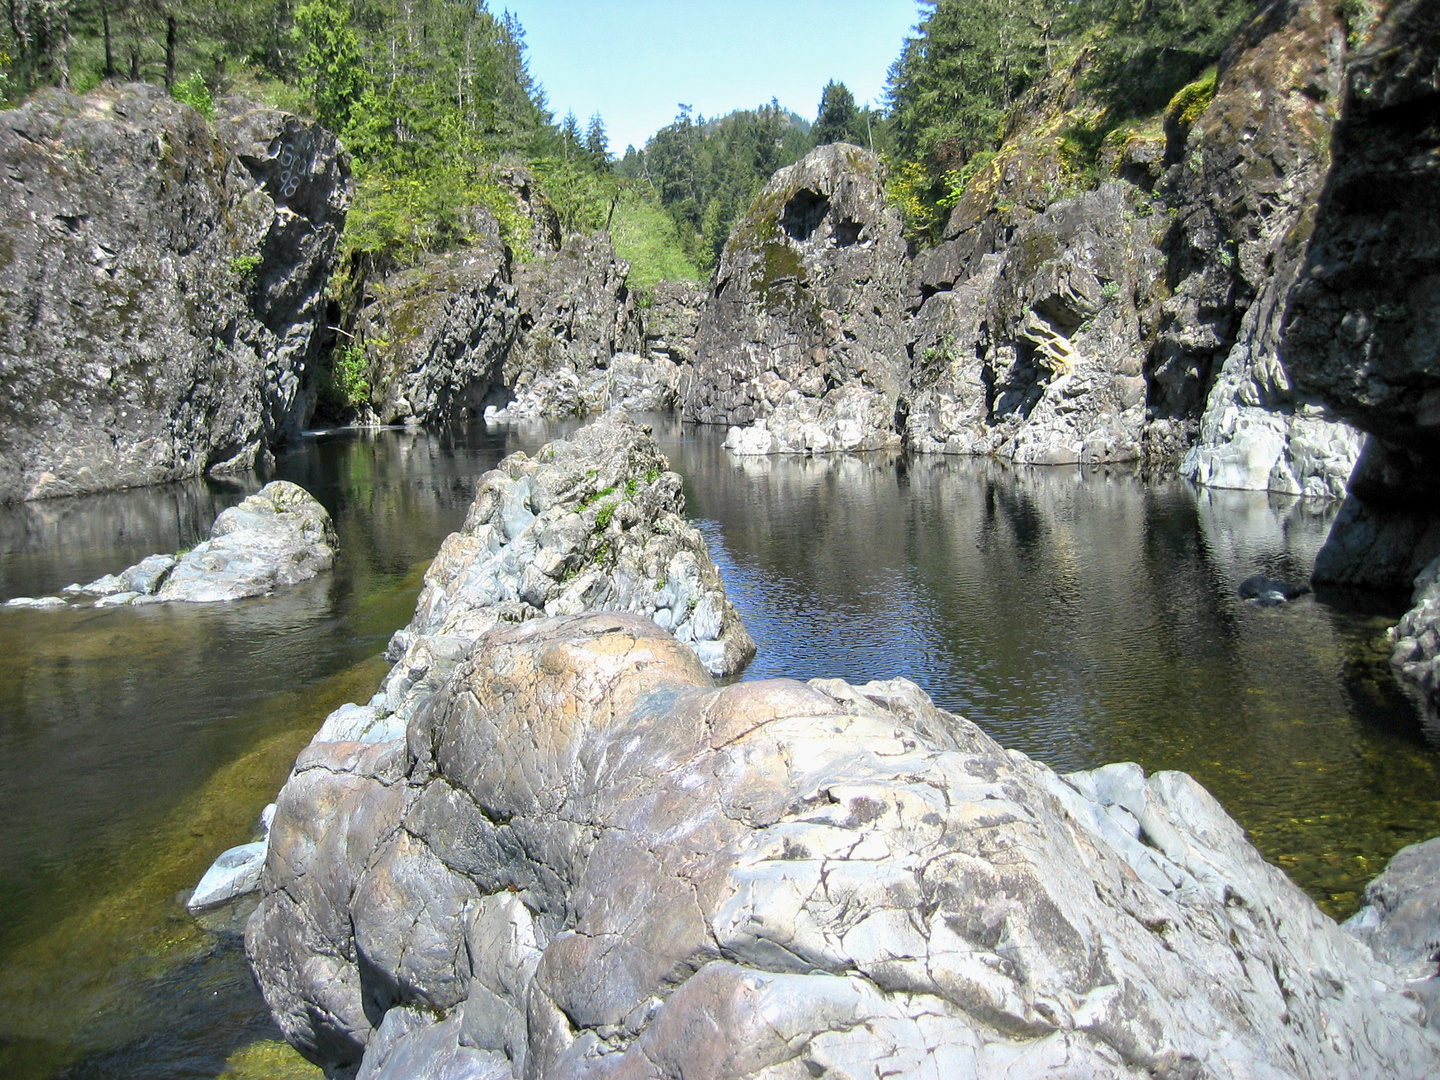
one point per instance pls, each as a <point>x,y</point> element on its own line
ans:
<point>162,286</point>
<point>808,304</point>
<point>1363,319</point>
<point>586,861</point>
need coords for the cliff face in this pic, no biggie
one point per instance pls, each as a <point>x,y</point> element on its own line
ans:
<point>161,286</point>
<point>479,328</point>
<point>1058,320</point>
<point>1363,323</point>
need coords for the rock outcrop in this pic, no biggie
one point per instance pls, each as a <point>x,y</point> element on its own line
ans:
<point>808,303</point>
<point>1038,355</point>
<point>479,330</point>
<point>590,523</point>
<point>279,536</point>
<point>1363,321</point>
<point>586,861</point>
<point>161,286</point>
<point>1251,168</point>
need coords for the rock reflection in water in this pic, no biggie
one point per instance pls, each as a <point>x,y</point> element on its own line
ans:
<point>1086,616</point>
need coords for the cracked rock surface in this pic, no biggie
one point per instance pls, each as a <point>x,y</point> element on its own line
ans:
<point>585,860</point>
<point>590,523</point>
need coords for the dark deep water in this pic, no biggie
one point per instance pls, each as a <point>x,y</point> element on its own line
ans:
<point>1080,616</point>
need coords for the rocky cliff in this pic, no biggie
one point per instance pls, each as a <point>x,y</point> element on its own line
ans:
<point>550,332</point>
<point>584,860</point>
<point>1085,303</point>
<point>161,286</point>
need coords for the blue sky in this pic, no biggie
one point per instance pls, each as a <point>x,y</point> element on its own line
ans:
<point>635,61</point>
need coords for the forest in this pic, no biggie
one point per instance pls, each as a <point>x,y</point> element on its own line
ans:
<point>429,95</point>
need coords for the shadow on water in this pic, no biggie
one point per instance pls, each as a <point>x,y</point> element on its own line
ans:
<point>1079,616</point>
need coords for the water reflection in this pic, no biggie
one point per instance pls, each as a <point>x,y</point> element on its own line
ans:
<point>1080,616</point>
<point>1085,616</point>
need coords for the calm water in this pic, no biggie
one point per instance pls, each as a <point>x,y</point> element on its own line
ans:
<point>1081,617</point>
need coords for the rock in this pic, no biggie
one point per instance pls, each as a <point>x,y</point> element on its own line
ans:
<point>1415,642</point>
<point>809,300</point>
<point>1267,592</point>
<point>1038,356</point>
<point>146,576</point>
<point>623,381</point>
<point>1361,326</point>
<point>586,861</point>
<point>1400,915</point>
<point>39,602</point>
<point>1245,179</point>
<point>447,327</point>
<point>278,536</point>
<point>171,274</point>
<point>234,874</point>
<point>672,320</point>
<point>478,331</point>
<point>591,523</point>
<point>117,599</point>
<point>850,418</point>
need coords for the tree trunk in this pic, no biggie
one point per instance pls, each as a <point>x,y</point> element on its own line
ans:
<point>169,52</point>
<point>109,53</point>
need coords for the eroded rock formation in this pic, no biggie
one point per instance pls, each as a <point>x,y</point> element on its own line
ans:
<point>586,861</point>
<point>161,286</point>
<point>804,330</point>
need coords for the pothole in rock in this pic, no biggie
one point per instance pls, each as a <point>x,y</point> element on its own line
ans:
<point>804,213</point>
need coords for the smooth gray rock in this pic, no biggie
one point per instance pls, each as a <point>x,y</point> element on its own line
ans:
<point>37,602</point>
<point>278,536</point>
<point>1400,916</point>
<point>588,862</point>
<point>172,272</point>
<point>234,874</point>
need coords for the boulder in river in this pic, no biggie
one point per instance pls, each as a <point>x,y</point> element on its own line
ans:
<point>587,861</point>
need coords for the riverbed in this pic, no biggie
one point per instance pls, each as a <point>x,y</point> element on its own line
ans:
<point>1081,616</point>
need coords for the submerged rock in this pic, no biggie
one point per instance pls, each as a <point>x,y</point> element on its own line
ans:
<point>162,284</point>
<point>1400,916</point>
<point>1269,593</point>
<point>586,861</point>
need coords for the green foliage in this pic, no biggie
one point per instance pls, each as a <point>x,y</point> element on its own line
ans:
<point>330,63</point>
<point>645,236</point>
<point>244,268</point>
<point>196,94</point>
<point>1192,100</point>
<point>706,173</point>
<point>955,89</point>
<point>839,120</point>
<point>350,373</point>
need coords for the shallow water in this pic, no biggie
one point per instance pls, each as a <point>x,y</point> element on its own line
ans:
<point>1080,616</point>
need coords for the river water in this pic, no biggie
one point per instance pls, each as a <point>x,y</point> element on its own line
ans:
<point>1081,616</point>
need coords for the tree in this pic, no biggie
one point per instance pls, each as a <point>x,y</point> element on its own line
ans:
<point>330,64</point>
<point>838,117</point>
<point>597,143</point>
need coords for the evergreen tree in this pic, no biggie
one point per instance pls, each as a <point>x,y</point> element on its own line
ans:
<point>838,117</point>
<point>330,64</point>
<point>597,143</point>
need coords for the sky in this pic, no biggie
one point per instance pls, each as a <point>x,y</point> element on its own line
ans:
<point>636,61</point>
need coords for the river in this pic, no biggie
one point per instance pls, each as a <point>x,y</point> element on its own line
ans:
<point>1081,616</point>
